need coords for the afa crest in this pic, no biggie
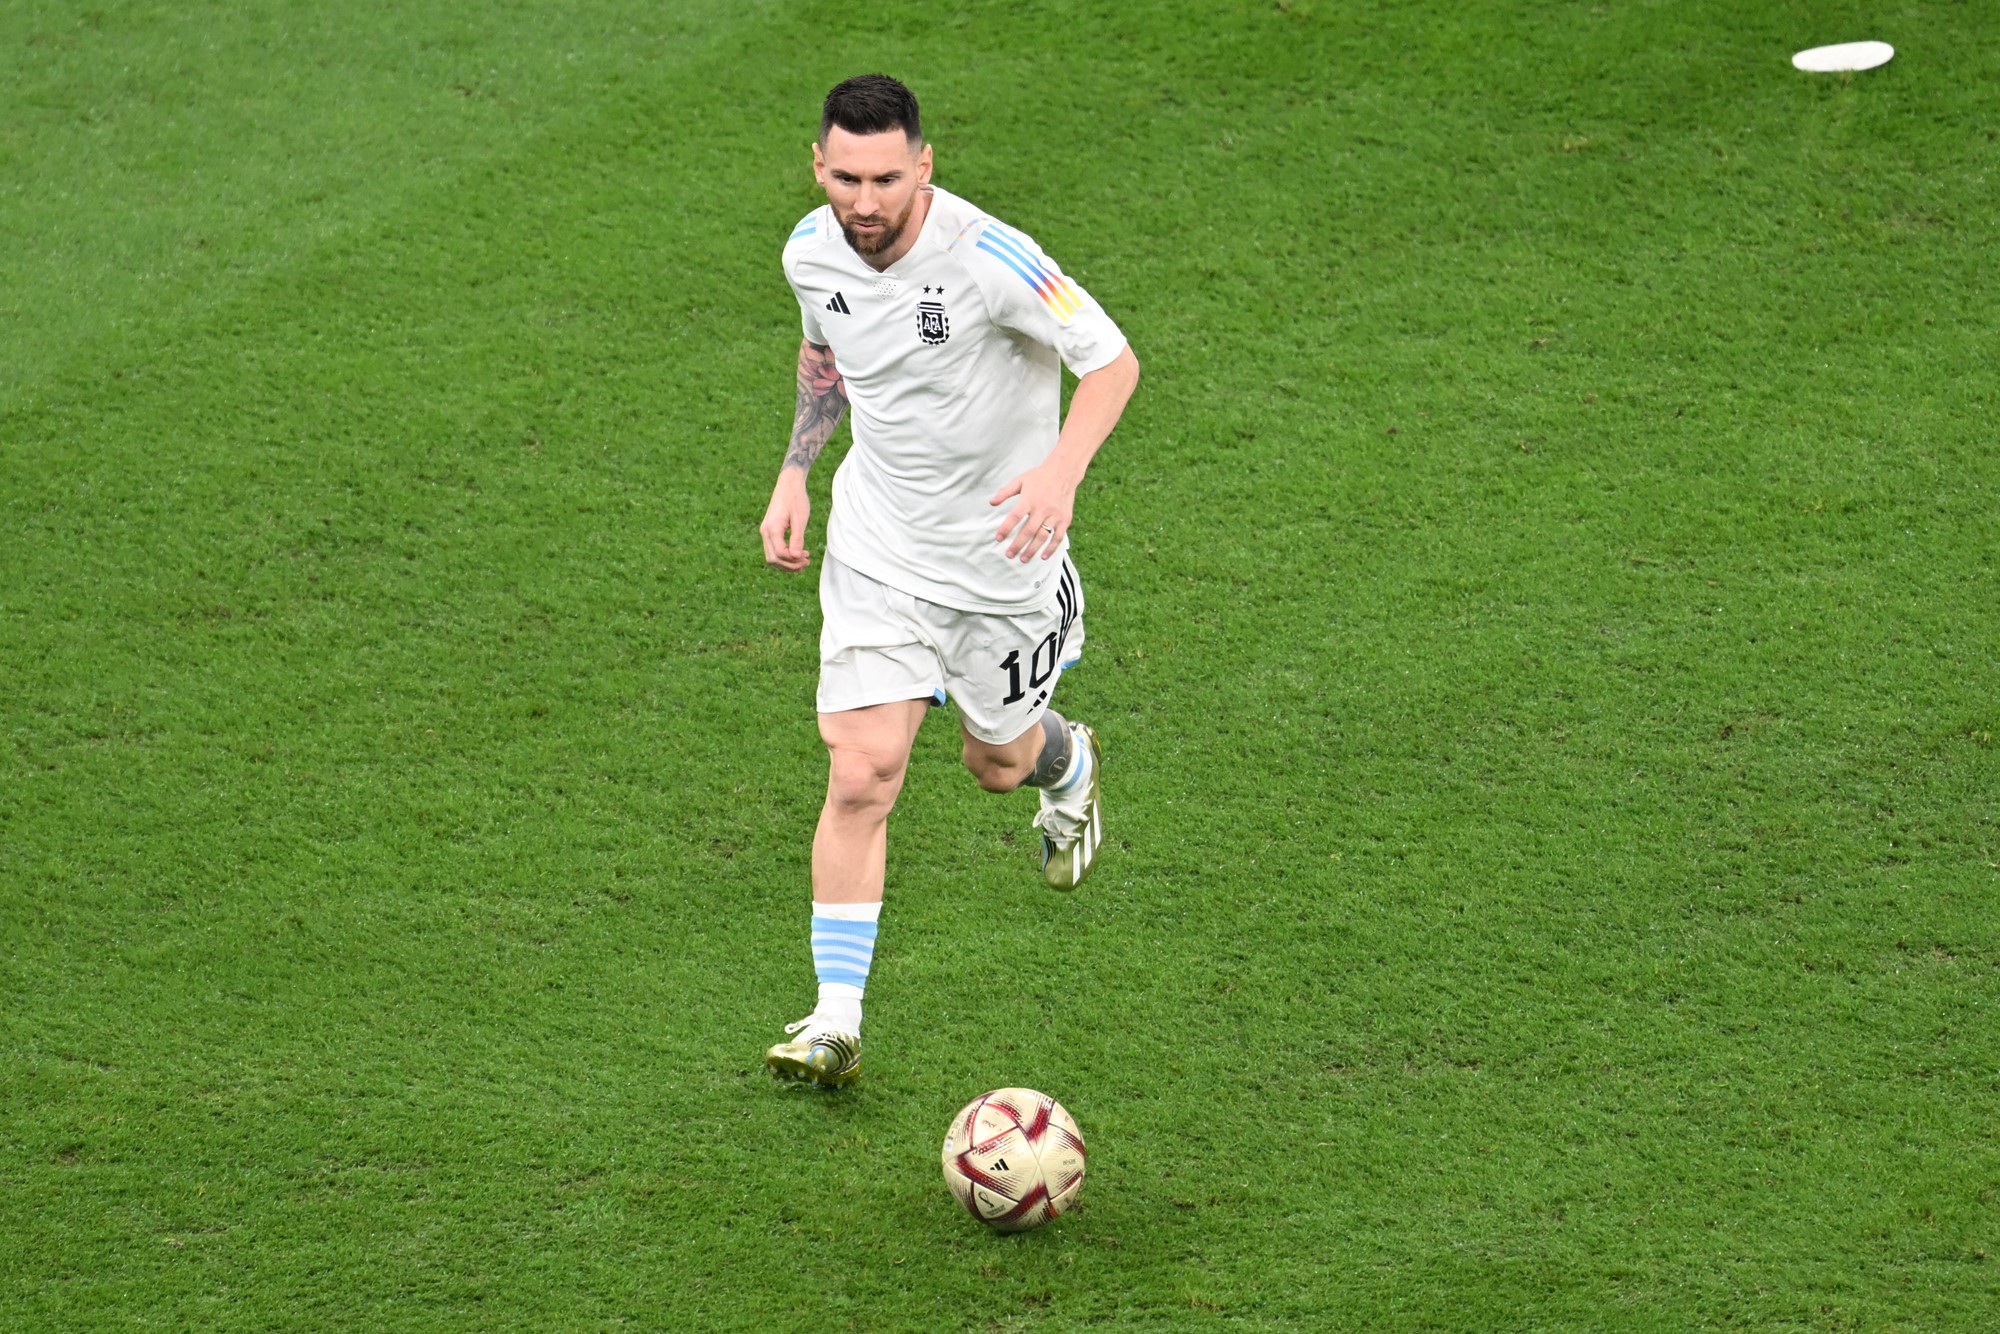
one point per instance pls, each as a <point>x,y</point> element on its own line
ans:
<point>932,326</point>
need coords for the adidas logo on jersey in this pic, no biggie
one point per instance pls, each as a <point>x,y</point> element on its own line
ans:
<point>838,305</point>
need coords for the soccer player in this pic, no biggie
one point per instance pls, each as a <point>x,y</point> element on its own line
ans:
<point>947,571</point>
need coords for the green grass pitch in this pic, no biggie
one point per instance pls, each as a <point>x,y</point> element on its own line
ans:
<point>1544,617</point>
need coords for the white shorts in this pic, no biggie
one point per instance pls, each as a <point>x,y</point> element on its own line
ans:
<point>878,645</point>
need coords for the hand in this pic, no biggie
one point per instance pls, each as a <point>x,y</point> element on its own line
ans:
<point>784,526</point>
<point>1044,500</point>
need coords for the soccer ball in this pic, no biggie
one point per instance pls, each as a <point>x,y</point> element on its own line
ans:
<point>1013,1158</point>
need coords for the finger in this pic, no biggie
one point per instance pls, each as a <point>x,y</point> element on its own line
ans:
<point>1023,535</point>
<point>1048,537</point>
<point>784,540</point>
<point>1036,541</point>
<point>1017,515</point>
<point>1012,488</point>
<point>1033,534</point>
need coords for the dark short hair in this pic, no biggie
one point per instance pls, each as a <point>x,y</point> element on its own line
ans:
<point>871,104</point>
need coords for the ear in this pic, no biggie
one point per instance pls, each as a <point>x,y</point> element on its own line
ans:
<point>924,166</point>
<point>819,165</point>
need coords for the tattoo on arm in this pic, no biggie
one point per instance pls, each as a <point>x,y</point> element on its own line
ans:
<point>822,403</point>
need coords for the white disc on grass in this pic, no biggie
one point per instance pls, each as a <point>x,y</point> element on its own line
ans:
<point>1846,56</point>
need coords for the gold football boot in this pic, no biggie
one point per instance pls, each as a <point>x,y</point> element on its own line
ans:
<point>819,1055</point>
<point>1072,826</point>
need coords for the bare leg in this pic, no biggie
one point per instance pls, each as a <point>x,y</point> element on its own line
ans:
<point>868,752</point>
<point>1061,759</point>
<point>1002,768</point>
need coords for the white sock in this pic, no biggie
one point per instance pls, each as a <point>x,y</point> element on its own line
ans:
<point>1078,777</point>
<point>840,1006</point>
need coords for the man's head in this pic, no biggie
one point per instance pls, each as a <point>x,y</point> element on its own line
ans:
<point>871,159</point>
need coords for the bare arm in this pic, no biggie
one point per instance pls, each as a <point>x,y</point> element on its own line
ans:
<point>822,403</point>
<point>1045,496</point>
<point>1095,407</point>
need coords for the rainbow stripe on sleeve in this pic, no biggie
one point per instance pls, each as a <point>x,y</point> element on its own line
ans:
<point>1048,282</point>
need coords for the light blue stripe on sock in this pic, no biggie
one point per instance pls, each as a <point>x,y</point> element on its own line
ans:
<point>854,977</point>
<point>842,951</point>
<point>1079,770</point>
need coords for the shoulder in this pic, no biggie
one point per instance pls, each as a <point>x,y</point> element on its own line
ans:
<point>1009,266</point>
<point>808,234</point>
<point>955,223</point>
<point>960,226</point>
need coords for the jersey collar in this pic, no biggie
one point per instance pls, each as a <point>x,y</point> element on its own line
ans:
<point>923,234</point>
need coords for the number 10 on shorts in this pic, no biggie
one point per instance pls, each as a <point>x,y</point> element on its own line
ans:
<point>1039,671</point>
<point>1047,655</point>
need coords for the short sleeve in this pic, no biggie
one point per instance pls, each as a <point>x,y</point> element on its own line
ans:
<point>1029,294</point>
<point>808,322</point>
<point>804,236</point>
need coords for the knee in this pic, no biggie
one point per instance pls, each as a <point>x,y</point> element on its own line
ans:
<point>862,783</point>
<point>992,770</point>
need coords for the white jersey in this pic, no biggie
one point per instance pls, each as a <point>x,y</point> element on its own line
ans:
<point>952,359</point>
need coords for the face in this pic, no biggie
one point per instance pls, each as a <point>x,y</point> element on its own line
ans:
<point>872,182</point>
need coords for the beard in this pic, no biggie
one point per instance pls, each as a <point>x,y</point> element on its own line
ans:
<point>863,244</point>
